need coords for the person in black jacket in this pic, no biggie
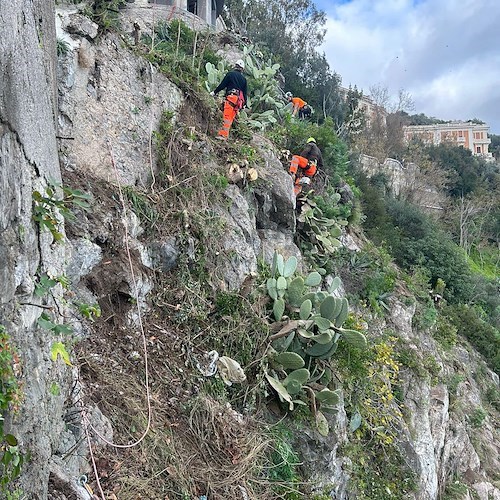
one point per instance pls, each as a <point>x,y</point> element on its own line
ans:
<point>312,152</point>
<point>305,112</point>
<point>303,167</point>
<point>235,85</point>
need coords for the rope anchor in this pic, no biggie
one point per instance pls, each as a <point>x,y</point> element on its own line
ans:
<point>84,482</point>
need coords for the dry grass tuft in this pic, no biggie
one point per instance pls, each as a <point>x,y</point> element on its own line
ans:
<point>196,445</point>
<point>228,450</point>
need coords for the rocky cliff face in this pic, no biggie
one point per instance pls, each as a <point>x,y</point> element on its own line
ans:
<point>110,102</point>
<point>407,181</point>
<point>28,160</point>
<point>440,438</point>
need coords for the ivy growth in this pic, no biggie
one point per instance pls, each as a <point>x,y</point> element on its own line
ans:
<point>48,207</point>
<point>45,284</point>
<point>11,458</point>
<point>46,322</point>
<point>89,311</point>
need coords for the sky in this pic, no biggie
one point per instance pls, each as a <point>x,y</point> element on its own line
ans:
<point>444,53</point>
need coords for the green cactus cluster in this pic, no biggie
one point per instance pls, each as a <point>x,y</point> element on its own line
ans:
<point>322,232</point>
<point>214,74</point>
<point>264,99</point>
<point>301,349</point>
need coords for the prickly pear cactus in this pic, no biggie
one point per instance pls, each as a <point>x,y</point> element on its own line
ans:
<point>322,232</point>
<point>309,338</point>
<point>215,74</point>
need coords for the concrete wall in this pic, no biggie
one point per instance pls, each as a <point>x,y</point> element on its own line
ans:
<point>203,9</point>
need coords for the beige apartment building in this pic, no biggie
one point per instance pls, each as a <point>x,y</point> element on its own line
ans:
<point>471,136</point>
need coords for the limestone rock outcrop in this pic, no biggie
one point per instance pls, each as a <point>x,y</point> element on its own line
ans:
<point>28,161</point>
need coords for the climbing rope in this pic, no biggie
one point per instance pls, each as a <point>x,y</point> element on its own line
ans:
<point>87,424</point>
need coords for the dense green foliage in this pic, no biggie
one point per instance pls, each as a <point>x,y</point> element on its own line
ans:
<point>421,119</point>
<point>291,32</point>
<point>467,173</point>
<point>292,135</point>
<point>417,241</point>
<point>495,146</point>
<point>470,323</point>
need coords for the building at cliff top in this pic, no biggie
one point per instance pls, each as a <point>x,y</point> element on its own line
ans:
<point>472,136</point>
<point>190,11</point>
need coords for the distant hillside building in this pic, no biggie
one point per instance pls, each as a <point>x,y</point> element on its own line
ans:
<point>372,111</point>
<point>471,136</point>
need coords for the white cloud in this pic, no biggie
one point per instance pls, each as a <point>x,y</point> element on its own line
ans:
<point>463,93</point>
<point>446,54</point>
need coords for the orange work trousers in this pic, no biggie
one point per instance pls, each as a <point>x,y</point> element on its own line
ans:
<point>229,114</point>
<point>306,169</point>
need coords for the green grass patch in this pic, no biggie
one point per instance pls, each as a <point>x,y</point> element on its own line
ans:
<point>485,262</point>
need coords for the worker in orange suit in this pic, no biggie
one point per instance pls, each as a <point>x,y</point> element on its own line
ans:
<point>235,85</point>
<point>297,103</point>
<point>303,167</point>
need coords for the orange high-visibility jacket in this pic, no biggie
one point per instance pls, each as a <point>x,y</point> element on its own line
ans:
<point>298,103</point>
<point>307,168</point>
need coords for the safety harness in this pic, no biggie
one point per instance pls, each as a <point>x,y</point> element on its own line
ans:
<point>236,98</point>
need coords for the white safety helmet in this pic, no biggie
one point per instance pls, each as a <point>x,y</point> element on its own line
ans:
<point>240,64</point>
<point>288,95</point>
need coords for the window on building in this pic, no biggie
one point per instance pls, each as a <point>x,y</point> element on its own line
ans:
<point>478,149</point>
<point>460,133</point>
